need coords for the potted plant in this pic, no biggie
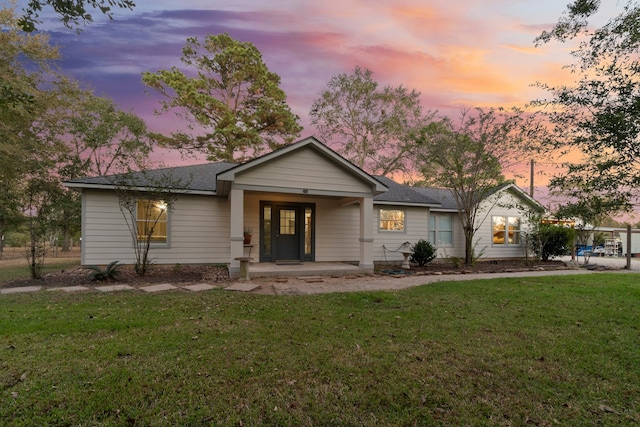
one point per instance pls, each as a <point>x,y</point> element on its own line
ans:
<point>247,235</point>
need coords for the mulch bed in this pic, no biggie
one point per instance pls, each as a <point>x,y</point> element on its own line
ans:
<point>187,274</point>
<point>175,274</point>
<point>495,266</point>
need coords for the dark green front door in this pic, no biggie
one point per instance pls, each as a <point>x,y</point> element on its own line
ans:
<point>287,231</point>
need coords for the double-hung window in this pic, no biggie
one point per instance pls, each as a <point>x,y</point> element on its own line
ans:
<point>152,220</point>
<point>506,230</point>
<point>392,219</point>
<point>441,229</point>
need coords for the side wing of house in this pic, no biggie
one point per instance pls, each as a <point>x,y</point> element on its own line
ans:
<point>502,223</point>
<point>196,231</point>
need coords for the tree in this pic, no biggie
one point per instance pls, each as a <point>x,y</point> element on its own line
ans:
<point>26,66</point>
<point>370,127</point>
<point>233,102</point>
<point>71,13</point>
<point>599,114</point>
<point>469,158</point>
<point>588,212</point>
<point>145,199</point>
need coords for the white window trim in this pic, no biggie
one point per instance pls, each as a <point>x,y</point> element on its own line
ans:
<point>404,221</point>
<point>166,243</point>
<point>436,230</point>
<point>506,243</point>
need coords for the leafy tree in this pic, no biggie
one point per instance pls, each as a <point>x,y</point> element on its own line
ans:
<point>469,158</point>
<point>161,190</point>
<point>368,125</point>
<point>589,212</point>
<point>598,114</point>
<point>233,102</point>
<point>71,13</point>
<point>26,66</point>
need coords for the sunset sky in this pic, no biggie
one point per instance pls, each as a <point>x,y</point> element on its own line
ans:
<point>456,53</point>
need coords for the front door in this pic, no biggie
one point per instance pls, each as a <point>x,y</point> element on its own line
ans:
<point>287,229</point>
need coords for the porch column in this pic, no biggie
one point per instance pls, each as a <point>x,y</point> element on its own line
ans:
<point>236,201</point>
<point>366,233</point>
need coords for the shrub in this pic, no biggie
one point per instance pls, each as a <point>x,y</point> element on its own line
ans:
<point>423,253</point>
<point>111,272</point>
<point>551,240</point>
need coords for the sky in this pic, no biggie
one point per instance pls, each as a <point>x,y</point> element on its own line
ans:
<point>464,53</point>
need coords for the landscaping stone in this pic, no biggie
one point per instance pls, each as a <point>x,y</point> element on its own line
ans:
<point>199,287</point>
<point>20,289</point>
<point>113,288</point>
<point>158,288</point>
<point>70,289</point>
<point>242,287</point>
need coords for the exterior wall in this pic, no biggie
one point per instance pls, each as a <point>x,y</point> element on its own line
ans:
<point>501,204</point>
<point>198,231</point>
<point>457,249</point>
<point>416,228</point>
<point>337,231</point>
<point>303,169</point>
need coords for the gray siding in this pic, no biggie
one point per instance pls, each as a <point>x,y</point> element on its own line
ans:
<point>198,231</point>
<point>303,169</point>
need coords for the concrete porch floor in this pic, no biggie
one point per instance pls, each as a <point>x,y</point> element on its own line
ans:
<point>267,269</point>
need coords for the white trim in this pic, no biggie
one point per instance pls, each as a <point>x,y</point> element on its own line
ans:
<point>140,189</point>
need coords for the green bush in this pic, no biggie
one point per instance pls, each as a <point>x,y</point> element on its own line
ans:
<point>551,240</point>
<point>111,272</point>
<point>423,252</point>
<point>15,239</point>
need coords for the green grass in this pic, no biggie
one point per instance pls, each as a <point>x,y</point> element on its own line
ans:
<point>19,270</point>
<point>538,351</point>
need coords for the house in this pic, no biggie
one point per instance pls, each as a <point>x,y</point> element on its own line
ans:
<point>303,203</point>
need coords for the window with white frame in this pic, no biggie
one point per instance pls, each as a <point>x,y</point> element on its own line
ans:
<point>152,221</point>
<point>441,229</point>
<point>506,230</point>
<point>392,219</point>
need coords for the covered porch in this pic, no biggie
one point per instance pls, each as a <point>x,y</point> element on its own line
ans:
<point>333,269</point>
<point>303,204</point>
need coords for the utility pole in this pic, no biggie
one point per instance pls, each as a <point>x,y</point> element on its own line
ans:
<point>531,180</point>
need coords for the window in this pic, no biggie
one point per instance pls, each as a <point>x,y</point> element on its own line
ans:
<point>152,222</point>
<point>441,230</point>
<point>506,230</point>
<point>391,220</point>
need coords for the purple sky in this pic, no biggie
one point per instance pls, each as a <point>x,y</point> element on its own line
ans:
<point>456,53</point>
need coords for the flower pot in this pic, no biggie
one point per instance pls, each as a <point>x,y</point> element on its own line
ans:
<point>247,239</point>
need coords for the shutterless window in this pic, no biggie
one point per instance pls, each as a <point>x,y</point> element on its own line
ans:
<point>441,230</point>
<point>392,220</point>
<point>506,230</point>
<point>152,221</point>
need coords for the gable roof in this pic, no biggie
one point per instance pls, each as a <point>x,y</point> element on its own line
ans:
<point>403,194</point>
<point>448,202</point>
<point>225,178</point>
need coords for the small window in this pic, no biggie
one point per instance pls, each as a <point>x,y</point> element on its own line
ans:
<point>391,220</point>
<point>152,221</point>
<point>441,230</point>
<point>506,230</point>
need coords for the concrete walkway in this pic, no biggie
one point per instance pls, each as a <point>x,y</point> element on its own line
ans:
<point>392,283</point>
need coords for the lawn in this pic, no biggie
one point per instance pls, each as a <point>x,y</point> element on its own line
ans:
<point>14,264</point>
<point>538,351</point>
